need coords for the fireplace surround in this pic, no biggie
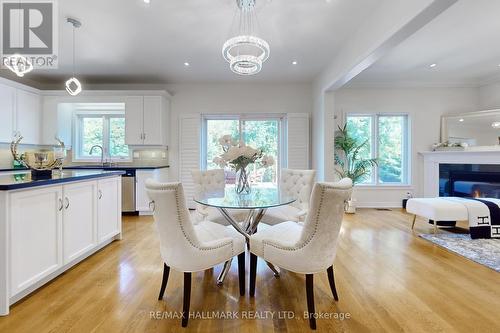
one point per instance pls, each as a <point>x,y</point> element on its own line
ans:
<point>468,160</point>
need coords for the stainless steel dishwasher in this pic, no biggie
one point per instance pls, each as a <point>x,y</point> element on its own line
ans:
<point>128,191</point>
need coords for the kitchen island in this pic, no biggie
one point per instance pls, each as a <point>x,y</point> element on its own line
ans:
<point>47,226</point>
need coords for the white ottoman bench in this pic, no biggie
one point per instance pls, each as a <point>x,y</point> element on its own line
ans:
<point>436,209</point>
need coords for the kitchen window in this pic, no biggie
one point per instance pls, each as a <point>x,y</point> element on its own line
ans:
<point>388,141</point>
<point>261,132</point>
<point>106,130</point>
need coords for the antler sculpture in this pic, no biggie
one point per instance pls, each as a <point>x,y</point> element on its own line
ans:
<point>22,158</point>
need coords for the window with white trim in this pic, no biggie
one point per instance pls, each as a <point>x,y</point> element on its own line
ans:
<point>388,140</point>
<point>100,128</point>
<point>260,132</point>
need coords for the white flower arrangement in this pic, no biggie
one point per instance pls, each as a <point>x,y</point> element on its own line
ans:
<point>239,156</point>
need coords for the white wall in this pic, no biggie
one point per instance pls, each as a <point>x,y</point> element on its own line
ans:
<point>425,107</point>
<point>489,97</point>
<point>389,25</point>
<point>232,99</point>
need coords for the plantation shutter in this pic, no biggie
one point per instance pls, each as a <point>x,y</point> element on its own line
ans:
<point>297,133</point>
<point>189,153</point>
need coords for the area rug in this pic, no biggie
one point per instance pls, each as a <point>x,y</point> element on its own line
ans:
<point>483,251</point>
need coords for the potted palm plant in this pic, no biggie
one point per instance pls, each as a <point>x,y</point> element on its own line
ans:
<point>350,162</point>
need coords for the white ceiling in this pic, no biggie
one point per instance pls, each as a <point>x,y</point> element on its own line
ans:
<point>126,41</point>
<point>464,42</point>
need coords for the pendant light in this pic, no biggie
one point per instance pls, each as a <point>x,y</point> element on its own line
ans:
<point>246,52</point>
<point>18,63</point>
<point>73,85</point>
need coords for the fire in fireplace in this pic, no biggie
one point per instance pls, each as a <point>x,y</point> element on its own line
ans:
<point>469,180</point>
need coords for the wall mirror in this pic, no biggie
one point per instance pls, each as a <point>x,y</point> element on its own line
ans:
<point>476,129</point>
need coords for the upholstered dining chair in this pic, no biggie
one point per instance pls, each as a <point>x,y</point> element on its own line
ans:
<point>210,181</point>
<point>306,248</point>
<point>297,184</point>
<point>188,247</point>
<point>207,181</point>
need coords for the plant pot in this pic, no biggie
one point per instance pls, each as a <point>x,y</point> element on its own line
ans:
<point>350,206</point>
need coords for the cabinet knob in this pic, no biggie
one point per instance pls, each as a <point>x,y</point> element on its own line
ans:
<point>60,204</point>
<point>100,194</point>
<point>67,202</point>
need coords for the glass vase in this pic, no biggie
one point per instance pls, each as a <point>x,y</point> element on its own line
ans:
<point>243,184</point>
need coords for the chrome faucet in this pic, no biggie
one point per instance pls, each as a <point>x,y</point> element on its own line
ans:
<point>102,152</point>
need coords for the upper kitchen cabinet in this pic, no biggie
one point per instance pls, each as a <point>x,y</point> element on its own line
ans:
<point>20,112</point>
<point>28,116</point>
<point>146,120</point>
<point>7,111</point>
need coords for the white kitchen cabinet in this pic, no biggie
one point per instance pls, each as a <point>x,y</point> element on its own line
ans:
<point>154,120</point>
<point>141,197</point>
<point>35,236</point>
<point>45,230</point>
<point>7,112</point>
<point>134,118</point>
<point>79,219</point>
<point>28,116</point>
<point>108,208</point>
<point>146,120</point>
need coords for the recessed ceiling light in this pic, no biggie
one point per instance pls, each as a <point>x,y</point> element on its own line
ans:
<point>186,64</point>
<point>147,1</point>
<point>432,65</point>
<point>294,62</point>
<point>461,120</point>
<point>496,124</point>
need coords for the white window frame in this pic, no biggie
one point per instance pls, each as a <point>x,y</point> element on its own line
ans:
<point>407,162</point>
<point>106,116</point>
<point>281,118</point>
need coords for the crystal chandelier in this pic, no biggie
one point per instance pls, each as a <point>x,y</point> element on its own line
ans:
<point>246,52</point>
<point>73,85</point>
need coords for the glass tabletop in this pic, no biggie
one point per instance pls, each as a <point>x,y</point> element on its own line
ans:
<point>258,198</point>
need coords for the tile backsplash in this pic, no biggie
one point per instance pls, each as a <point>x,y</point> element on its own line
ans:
<point>5,157</point>
<point>141,157</point>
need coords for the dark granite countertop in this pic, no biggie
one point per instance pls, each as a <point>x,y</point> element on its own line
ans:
<point>13,180</point>
<point>114,167</point>
<point>100,167</point>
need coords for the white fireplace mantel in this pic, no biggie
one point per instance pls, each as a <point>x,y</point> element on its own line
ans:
<point>432,159</point>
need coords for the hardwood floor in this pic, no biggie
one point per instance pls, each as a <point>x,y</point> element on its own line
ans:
<point>388,279</point>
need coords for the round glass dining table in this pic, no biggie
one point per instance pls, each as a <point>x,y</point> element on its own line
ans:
<point>254,203</point>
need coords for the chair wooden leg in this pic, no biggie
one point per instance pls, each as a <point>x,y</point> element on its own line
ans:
<point>253,273</point>
<point>331,279</point>
<point>241,273</point>
<point>413,223</point>
<point>310,300</point>
<point>166,272</point>
<point>187,299</point>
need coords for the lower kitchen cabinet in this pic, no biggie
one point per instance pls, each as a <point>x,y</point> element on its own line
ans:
<point>79,219</point>
<point>108,208</point>
<point>45,230</point>
<point>141,197</point>
<point>35,236</point>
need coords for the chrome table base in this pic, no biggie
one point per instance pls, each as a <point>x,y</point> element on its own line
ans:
<point>247,228</point>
